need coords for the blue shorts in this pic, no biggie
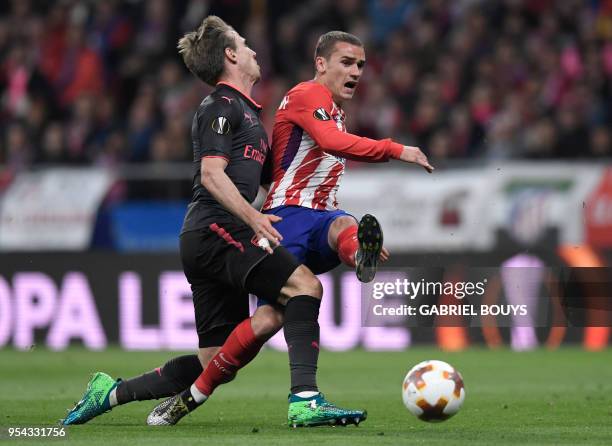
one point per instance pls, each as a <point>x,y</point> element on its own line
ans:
<point>304,232</point>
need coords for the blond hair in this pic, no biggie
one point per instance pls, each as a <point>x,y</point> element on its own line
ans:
<point>203,50</point>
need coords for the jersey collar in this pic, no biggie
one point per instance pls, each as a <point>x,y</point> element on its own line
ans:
<point>248,98</point>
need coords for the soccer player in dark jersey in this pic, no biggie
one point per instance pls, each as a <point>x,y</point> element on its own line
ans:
<point>228,249</point>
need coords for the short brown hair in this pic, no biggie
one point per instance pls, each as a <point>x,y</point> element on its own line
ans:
<point>203,50</point>
<point>327,42</point>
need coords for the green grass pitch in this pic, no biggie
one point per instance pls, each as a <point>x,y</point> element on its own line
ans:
<point>541,397</point>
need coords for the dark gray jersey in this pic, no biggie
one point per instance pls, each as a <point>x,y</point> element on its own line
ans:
<point>227,125</point>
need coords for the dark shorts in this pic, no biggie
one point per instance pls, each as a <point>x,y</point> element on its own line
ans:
<point>224,265</point>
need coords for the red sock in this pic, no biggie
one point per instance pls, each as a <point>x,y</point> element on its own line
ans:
<point>347,245</point>
<point>239,349</point>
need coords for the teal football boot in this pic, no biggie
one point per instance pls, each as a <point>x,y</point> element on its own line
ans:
<point>94,401</point>
<point>317,411</point>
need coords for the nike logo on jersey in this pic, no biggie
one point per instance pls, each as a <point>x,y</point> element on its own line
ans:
<point>222,356</point>
<point>284,103</point>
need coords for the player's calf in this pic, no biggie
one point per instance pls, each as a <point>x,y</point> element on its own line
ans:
<point>267,321</point>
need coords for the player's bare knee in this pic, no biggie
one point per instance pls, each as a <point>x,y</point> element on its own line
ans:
<point>205,354</point>
<point>266,322</point>
<point>301,282</point>
<point>315,287</point>
<point>308,284</point>
<point>269,327</point>
<point>339,225</point>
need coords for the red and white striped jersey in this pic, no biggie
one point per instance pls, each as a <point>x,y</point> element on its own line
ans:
<point>310,147</point>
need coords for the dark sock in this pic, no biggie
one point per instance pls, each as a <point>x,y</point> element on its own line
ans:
<point>173,377</point>
<point>302,335</point>
<point>189,401</point>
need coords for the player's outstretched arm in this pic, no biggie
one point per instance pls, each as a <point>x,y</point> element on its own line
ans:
<point>357,148</point>
<point>216,181</point>
<point>337,142</point>
<point>311,109</point>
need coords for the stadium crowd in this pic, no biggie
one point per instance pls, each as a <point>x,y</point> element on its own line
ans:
<point>100,82</point>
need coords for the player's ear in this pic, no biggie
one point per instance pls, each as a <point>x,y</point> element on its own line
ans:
<point>231,55</point>
<point>321,65</point>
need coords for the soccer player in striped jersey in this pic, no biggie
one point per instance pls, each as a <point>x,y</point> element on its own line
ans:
<point>310,146</point>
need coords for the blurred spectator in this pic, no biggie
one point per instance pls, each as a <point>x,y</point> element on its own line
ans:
<point>426,120</point>
<point>540,139</point>
<point>383,114</point>
<point>482,107</point>
<point>106,121</point>
<point>142,125</point>
<point>16,73</point>
<point>113,151</point>
<point>387,16</point>
<point>111,32</point>
<point>53,145</point>
<point>287,53</point>
<point>402,83</point>
<point>175,93</point>
<point>601,142</point>
<point>463,132</point>
<point>74,68</point>
<point>18,147</point>
<point>35,120</point>
<point>161,150</point>
<point>501,137</point>
<point>178,134</point>
<point>154,30</point>
<point>573,136</point>
<point>80,128</point>
<point>439,146</point>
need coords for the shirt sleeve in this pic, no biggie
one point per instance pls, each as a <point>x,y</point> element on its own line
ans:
<point>216,125</point>
<point>311,109</point>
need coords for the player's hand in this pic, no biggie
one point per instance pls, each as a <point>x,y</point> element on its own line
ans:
<point>384,255</point>
<point>414,155</point>
<point>268,237</point>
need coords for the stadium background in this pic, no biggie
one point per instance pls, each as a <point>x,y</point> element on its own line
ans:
<point>509,99</point>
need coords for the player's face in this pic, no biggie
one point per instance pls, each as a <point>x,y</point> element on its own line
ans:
<point>246,57</point>
<point>342,71</point>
